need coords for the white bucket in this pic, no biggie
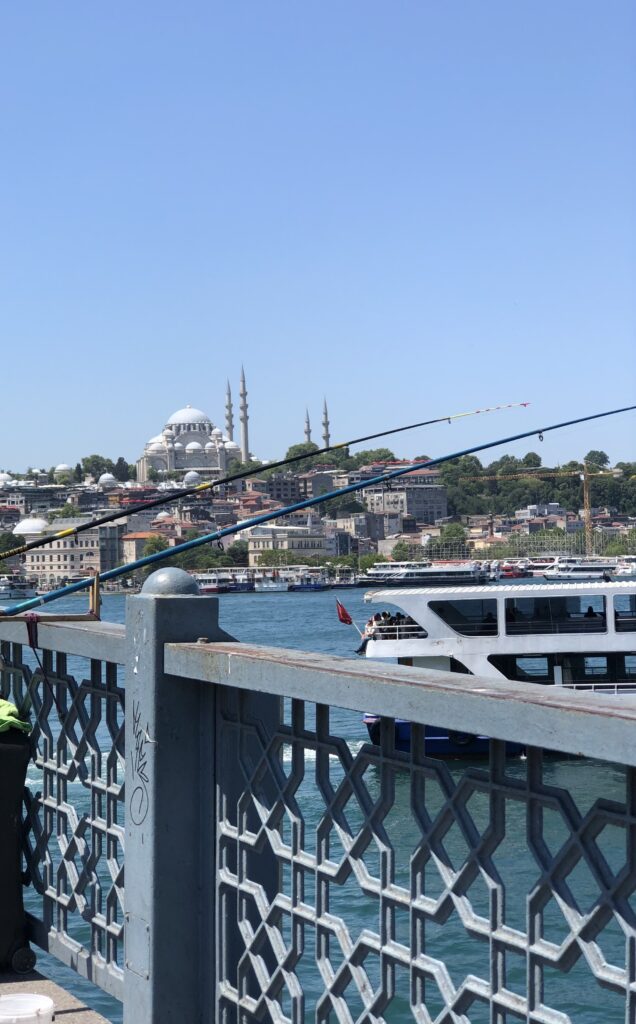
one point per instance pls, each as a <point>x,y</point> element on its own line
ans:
<point>26,1008</point>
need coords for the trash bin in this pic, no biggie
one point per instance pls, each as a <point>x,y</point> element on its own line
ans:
<point>15,751</point>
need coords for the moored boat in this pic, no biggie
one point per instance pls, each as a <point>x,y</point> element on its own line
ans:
<point>579,636</point>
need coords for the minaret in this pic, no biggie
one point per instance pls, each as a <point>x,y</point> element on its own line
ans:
<point>307,427</point>
<point>325,424</point>
<point>229,417</point>
<point>245,445</point>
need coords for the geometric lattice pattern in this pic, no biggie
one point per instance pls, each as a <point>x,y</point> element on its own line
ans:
<point>74,811</point>
<point>367,885</point>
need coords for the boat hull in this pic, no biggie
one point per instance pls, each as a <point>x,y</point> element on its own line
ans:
<point>439,742</point>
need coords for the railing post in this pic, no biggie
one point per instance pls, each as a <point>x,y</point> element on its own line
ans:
<point>170,884</point>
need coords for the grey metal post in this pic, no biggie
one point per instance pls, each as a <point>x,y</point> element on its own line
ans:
<point>170,884</point>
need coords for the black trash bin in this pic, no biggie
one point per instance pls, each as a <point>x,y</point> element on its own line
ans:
<point>15,752</point>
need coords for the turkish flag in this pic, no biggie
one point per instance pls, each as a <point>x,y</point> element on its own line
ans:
<point>343,614</point>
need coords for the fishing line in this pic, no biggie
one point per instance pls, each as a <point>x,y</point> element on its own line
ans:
<point>159,556</point>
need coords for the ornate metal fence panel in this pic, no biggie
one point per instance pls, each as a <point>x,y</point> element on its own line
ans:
<point>359,884</point>
<point>74,813</point>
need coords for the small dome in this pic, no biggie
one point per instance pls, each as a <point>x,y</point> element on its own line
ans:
<point>210,446</point>
<point>163,515</point>
<point>155,447</point>
<point>217,433</point>
<point>155,440</point>
<point>107,480</point>
<point>168,432</point>
<point>63,468</point>
<point>30,525</point>
<point>194,446</point>
<point>191,478</point>
<point>233,445</point>
<point>178,447</point>
<point>188,415</point>
<point>5,477</point>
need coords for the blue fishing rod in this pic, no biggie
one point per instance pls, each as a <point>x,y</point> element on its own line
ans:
<point>266,517</point>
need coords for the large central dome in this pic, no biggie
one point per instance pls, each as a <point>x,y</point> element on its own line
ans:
<point>188,415</point>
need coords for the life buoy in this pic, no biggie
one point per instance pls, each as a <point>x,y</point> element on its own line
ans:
<point>461,739</point>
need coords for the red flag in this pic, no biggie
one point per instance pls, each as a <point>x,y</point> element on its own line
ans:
<point>343,614</point>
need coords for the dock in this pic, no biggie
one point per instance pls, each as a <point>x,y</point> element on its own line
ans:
<point>67,1007</point>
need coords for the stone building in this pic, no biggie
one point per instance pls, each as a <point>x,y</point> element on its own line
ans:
<point>189,442</point>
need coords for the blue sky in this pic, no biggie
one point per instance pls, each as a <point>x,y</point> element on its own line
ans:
<point>411,208</point>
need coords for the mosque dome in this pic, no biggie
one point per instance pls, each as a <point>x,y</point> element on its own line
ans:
<point>191,478</point>
<point>156,440</point>
<point>5,477</point>
<point>155,447</point>
<point>30,525</point>
<point>194,446</point>
<point>178,447</point>
<point>62,468</point>
<point>107,480</point>
<point>188,415</point>
<point>209,446</point>
<point>217,433</point>
<point>163,515</point>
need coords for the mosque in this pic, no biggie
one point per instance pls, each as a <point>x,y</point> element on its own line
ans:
<point>190,442</point>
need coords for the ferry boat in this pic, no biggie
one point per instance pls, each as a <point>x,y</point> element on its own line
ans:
<point>441,574</point>
<point>567,569</point>
<point>13,587</point>
<point>270,583</point>
<point>580,636</point>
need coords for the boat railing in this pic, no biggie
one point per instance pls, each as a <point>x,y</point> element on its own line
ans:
<point>397,631</point>
<point>278,866</point>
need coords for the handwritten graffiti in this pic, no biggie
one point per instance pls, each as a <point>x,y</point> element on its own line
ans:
<point>139,801</point>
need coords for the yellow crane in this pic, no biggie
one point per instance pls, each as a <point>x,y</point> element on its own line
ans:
<point>586,475</point>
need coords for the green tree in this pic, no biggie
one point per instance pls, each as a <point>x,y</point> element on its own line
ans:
<point>121,469</point>
<point>597,458</point>
<point>9,541</point>
<point>96,465</point>
<point>67,511</point>
<point>153,474</point>
<point>531,460</point>
<point>78,475</point>
<point>405,552</point>
<point>366,561</point>
<point>238,552</point>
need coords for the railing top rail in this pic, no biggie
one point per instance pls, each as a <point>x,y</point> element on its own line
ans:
<point>105,641</point>
<point>528,713</point>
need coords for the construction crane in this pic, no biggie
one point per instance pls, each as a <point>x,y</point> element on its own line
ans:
<point>586,475</point>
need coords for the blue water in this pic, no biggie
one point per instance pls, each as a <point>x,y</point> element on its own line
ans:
<point>308,621</point>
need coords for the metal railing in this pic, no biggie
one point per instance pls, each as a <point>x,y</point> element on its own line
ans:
<point>280,868</point>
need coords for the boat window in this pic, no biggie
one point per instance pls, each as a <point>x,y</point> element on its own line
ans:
<point>470,618</point>
<point>545,614</point>
<point>539,669</point>
<point>625,613</point>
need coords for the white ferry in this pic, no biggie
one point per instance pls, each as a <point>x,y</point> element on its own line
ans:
<point>13,587</point>
<point>576,635</point>
<point>407,574</point>
<point>568,569</point>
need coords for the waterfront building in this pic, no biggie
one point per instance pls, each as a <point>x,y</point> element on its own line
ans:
<point>95,550</point>
<point>302,541</point>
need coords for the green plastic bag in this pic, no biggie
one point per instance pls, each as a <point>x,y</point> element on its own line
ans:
<point>10,719</point>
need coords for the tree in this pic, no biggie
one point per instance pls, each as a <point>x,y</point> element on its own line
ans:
<point>531,460</point>
<point>453,533</point>
<point>121,470</point>
<point>78,475</point>
<point>95,465</point>
<point>597,458</point>
<point>364,458</point>
<point>238,552</point>
<point>67,511</point>
<point>9,541</point>
<point>366,561</point>
<point>306,448</point>
<point>153,474</point>
<point>422,458</point>
<point>404,552</point>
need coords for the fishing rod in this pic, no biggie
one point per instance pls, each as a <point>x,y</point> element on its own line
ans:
<point>185,492</point>
<point>265,517</point>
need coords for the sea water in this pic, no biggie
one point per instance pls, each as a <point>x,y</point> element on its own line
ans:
<point>308,621</point>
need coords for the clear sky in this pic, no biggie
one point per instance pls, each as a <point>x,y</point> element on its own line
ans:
<point>410,207</point>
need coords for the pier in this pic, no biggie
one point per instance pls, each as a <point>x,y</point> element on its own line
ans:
<point>202,843</point>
